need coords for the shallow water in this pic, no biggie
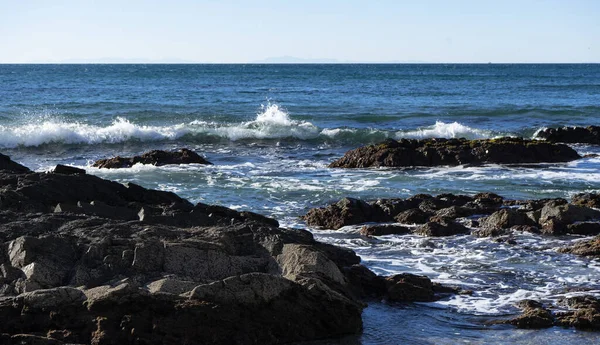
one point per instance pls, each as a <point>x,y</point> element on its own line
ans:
<point>271,131</point>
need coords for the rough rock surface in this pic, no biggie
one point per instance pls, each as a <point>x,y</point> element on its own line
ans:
<point>447,215</point>
<point>583,313</point>
<point>383,229</point>
<point>155,157</point>
<point>89,261</point>
<point>583,135</point>
<point>589,248</point>
<point>586,199</point>
<point>435,152</point>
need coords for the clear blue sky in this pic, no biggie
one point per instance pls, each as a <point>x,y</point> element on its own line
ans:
<point>348,31</point>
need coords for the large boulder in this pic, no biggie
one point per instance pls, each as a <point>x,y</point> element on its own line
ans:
<point>347,211</point>
<point>155,157</point>
<point>583,135</point>
<point>436,152</point>
<point>439,226</point>
<point>506,218</point>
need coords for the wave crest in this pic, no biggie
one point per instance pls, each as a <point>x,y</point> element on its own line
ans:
<point>271,123</point>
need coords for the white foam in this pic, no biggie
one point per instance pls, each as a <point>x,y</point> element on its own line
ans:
<point>446,130</point>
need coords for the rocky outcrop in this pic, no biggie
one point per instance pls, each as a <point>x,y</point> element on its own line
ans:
<point>383,229</point>
<point>8,165</point>
<point>583,313</point>
<point>90,261</point>
<point>155,157</point>
<point>586,199</point>
<point>589,248</point>
<point>583,135</point>
<point>436,152</point>
<point>448,215</point>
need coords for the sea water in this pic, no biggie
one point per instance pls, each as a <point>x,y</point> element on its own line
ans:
<point>271,131</point>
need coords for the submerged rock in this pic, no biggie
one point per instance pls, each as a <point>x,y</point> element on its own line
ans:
<point>583,314</point>
<point>155,157</point>
<point>583,135</point>
<point>436,152</point>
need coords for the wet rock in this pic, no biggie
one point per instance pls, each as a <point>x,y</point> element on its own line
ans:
<point>589,248</point>
<point>454,212</point>
<point>438,227</point>
<point>383,229</point>
<point>436,152</point>
<point>586,315</point>
<point>365,283</point>
<point>412,216</point>
<point>586,199</point>
<point>67,170</point>
<point>505,218</point>
<point>408,287</point>
<point>584,228</point>
<point>87,276</point>
<point>583,135</point>
<point>490,232</point>
<point>347,211</point>
<point>534,316</point>
<point>155,157</point>
<point>7,164</point>
<point>568,213</point>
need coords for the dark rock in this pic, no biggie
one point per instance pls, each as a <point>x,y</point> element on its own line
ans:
<point>583,135</point>
<point>347,211</point>
<point>454,212</point>
<point>155,157</point>
<point>383,229</point>
<point>8,165</point>
<point>412,216</point>
<point>436,152</point>
<point>490,232</point>
<point>568,213</point>
<point>534,316</point>
<point>585,248</point>
<point>586,315</point>
<point>505,218</point>
<point>408,287</point>
<point>438,227</point>
<point>67,170</point>
<point>90,274</point>
<point>586,199</point>
<point>364,282</point>
<point>584,228</point>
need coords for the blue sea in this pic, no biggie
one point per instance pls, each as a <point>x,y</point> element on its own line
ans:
<point>271,131</point>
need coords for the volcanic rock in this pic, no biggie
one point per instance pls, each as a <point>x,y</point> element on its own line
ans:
<point>583,135</point>
<point>436,152</point>
<point>383,229</point>
<point>155,157</point>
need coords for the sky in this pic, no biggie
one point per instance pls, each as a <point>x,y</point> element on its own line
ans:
<point>211,31</point>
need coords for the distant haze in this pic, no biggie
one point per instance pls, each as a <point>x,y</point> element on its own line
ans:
<point>335,31</point>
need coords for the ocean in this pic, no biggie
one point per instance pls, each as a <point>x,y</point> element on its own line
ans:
<point>271,131</point>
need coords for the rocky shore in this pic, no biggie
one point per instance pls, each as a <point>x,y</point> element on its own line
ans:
<point>573,135</point>
<point>437,152</point>
<point>484,214</point>
<point>89,261</point>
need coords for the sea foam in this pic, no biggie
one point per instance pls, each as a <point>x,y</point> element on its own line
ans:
<point>272,122</point>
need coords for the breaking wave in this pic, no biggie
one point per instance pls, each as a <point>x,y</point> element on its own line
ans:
<point>272,122</point>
